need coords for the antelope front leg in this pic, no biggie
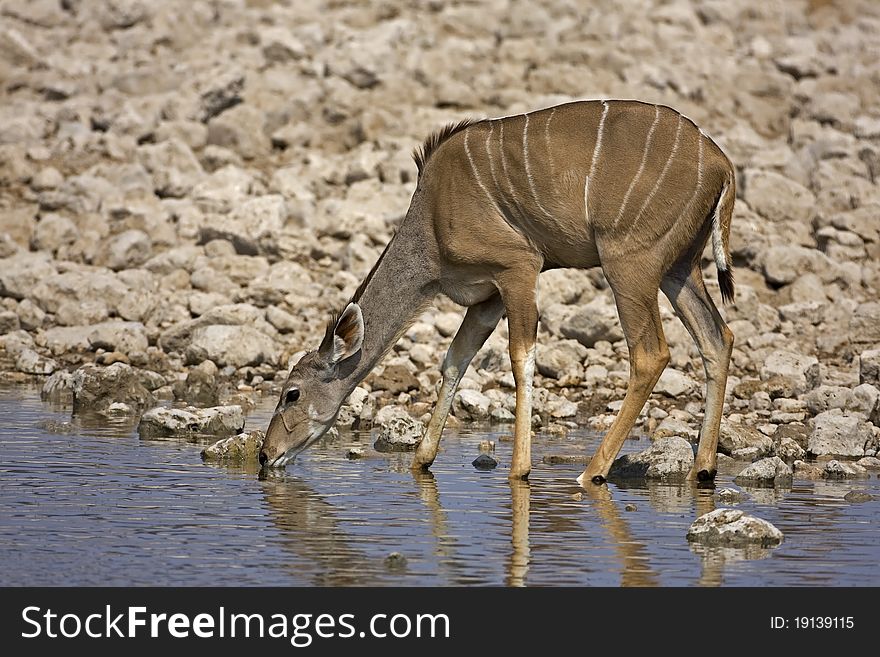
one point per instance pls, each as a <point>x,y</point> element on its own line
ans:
<point>478,324</point>
<point>522,321</point>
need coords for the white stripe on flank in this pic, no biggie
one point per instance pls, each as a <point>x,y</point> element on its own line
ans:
<point>641,168</point>
<point>699,176</point>
<point>467,150</point>
<point>597,149</point>
<point>525,145</point>
<point>586,199</point>
<point>489,156</point>
<point>504,165</point>
<point>551,164</point>
<point>662,175</point>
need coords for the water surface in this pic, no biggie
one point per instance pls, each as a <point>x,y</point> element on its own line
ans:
<point>91,504</point>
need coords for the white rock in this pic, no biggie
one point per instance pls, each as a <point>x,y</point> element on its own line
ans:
<point>668,459</point>
<point>838,433</point>
<point>471,404</point>
<point>771,470</point>
<point>733,528</point>
<point>673,383</point>
<point>241,447</point>
<point>190,422</point>
<point>797,372</point>
<point>231,345</point>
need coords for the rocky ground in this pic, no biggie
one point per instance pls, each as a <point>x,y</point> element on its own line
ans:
<point>188,190</point>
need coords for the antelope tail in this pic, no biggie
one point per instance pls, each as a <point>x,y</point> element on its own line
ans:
<point>721,218</point>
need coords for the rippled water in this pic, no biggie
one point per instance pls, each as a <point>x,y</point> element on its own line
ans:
<point>98,506</point>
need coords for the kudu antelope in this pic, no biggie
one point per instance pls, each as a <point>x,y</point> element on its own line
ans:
<point>635,188</point>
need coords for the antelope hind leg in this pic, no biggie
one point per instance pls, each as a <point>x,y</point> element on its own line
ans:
<point>687,293</point>
<point>648,356</point>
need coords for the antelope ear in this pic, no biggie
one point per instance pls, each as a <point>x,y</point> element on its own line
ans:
<point>347,336</point>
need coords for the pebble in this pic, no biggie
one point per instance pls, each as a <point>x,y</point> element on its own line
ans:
<point>484,462</point>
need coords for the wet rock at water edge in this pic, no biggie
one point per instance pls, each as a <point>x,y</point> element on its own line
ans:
<point>355,453</point>
<point>804,470</point>
<point>400,433</point>
<point>201,385</point>
<point>766,472</point>
<point>869,463</point>
<point>471,404</point>
<point>733,528</point>
<point>30,362</point>
<point>191,422</point>
<point>565,459</point>
<point>630,507</point>
<point>731,496</point>
<point>395,561</point>
<point>484,462</point>
<point>58,387</point>
<point>54,426</point>
<point>843,470</point>
<point>96,388</point>
<point>668,459</point>
<point>733,437</point>
<point>241,447</point>
<point>857,496</point>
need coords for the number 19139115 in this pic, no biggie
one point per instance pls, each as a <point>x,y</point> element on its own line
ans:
<point>813,622</point>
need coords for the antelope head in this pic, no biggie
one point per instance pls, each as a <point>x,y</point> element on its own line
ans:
<point>314,391</point>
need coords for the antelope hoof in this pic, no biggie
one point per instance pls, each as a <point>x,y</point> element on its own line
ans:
<point>597,479</point>
<point>702,475</point>
<point>418,465</point>
<point>706,475</point>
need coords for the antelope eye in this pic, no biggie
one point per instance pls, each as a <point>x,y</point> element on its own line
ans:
<point>291,396</point>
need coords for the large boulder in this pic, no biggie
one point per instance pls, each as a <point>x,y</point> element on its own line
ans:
<point>231,345</point>
<point>784,264</point>
<point>596,321</point>
<point>560,359</point>
<point>733,528</point>
<point>191,422</point>
<point>125,337</point>
<point>675,384</point>
<point>127,250</point>
<point>777,198</point>
<point>253,227</point>
<point>96,388</point>
<point>20,272</point>
<point>668,459</point>
<point>869,367</point>
<point>733,437</point>
<point>864,325</point>
<point>839,433</point>
<point>791,373</point>
<point>471,404</point>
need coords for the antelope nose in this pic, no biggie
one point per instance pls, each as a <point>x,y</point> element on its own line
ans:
<point>263,457</point>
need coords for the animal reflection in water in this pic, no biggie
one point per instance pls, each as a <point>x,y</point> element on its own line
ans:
<point>329,551</point>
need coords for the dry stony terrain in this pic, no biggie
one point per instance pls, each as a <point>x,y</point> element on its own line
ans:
<point>188,190</point>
